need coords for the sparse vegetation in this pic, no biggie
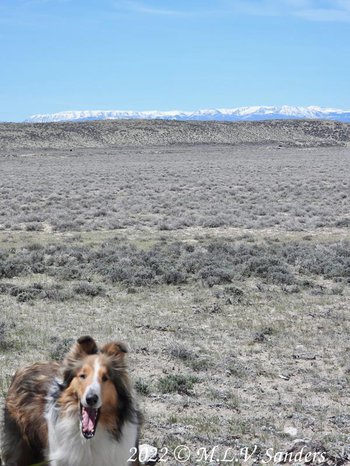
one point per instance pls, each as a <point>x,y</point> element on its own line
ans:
<point>181,352</point>
<point>179,383</point>
<point>2,333</point>
<point>218,262</point>
<point>89,289</point>
<point>225,268</point>
<point>142,387</point>
<point>203,187</point>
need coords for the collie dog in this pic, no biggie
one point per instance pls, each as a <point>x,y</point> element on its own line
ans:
<point>76,413</point>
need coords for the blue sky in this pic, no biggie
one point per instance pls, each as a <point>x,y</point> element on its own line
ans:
<point>171,54</point>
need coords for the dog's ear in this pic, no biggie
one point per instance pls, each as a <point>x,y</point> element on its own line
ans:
<point>83,347</point>
<point>86,345</point>
<point>115,349</point>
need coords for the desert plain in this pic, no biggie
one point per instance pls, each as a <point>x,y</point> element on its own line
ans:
<point>220,252</point>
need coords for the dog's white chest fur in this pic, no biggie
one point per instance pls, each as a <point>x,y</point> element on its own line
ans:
<point>67,447</point>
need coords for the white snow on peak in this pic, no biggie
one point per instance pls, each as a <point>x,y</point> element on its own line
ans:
<point>223,114</point>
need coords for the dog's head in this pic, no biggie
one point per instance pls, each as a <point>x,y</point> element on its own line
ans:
<point>95,384</point>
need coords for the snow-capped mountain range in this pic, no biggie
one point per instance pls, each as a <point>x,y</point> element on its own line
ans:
<point>220,114</point>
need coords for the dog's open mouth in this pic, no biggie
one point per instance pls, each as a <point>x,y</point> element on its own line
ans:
<point>89,418</point>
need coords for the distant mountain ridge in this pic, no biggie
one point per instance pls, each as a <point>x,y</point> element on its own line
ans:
<point>254,113</point>
<point>68,135</point>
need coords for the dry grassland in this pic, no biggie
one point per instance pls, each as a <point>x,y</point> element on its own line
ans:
<point>225,268</point>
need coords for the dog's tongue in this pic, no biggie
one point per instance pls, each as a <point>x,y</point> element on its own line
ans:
<point>89,416</point>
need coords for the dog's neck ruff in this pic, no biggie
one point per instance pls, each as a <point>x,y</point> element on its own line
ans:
<point>67,446</point>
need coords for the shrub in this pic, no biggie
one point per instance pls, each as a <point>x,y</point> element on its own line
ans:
<point>2,334</point>
<point>142,387</point>
<point>216,275</point>
<point>269,268</point>
<point>34,226</point>
<point>57,293</point>
<point>35,291</point>
<point>26,293</point>
<point>217,262</point>
<point>70,273</point>
<point>177,383</point>
<point>200,364</point>
<point>89,289</point>
<point>180,352</point>
<point>174,277</point>
<point>11,267</point>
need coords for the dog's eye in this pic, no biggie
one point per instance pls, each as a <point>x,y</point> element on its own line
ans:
<point>104,378</point>
<point>82,376</point>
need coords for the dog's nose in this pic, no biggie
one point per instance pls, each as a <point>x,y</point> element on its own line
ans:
<point>92,399</point>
